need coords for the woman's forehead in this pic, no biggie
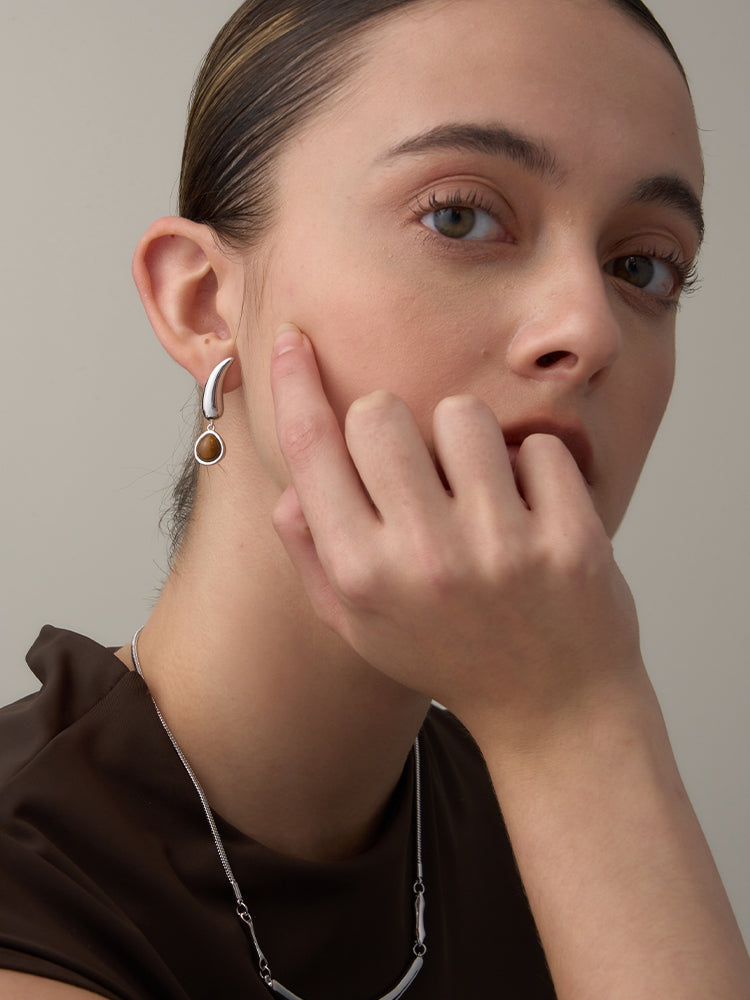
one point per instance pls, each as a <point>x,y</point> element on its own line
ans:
<point>574,74</point>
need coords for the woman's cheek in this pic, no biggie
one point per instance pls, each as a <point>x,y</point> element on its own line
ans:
<point>389,317</point>
<point>416,348</point>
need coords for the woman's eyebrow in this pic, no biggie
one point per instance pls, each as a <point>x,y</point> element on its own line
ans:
<point>673,192</point>
<point>498,140</point>
<point>493,139</point>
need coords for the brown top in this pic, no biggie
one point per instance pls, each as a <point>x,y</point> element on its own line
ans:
<point>109,878</point>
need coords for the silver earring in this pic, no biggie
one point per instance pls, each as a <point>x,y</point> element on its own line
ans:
<point>209,448</point>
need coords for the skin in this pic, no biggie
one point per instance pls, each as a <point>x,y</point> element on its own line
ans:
<point>328,558</point>
<point>435,320</point>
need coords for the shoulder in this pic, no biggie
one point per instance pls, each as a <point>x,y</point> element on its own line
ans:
<point>451,756</point>
<point>458,788</point>
<point>81,768</point>
<point>443,726</point>
<point>76,675</point>
<point>20,986</point>
<point>483,918</point>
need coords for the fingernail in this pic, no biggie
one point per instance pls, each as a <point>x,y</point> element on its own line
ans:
<point>287,338</point>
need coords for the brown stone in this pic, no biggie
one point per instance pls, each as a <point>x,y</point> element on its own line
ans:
<point>208,447</point>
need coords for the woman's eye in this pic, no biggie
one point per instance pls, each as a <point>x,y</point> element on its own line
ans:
<point>460,222</point>
<point>648,273</point>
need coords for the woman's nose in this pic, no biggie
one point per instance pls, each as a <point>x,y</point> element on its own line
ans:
<point>568,330</point>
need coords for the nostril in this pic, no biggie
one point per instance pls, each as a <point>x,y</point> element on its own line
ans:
<point>552,358</point>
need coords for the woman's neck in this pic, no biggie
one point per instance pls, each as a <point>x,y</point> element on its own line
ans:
<point>297,741</point>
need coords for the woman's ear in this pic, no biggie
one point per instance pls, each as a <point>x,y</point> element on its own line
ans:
<point>193,294</point>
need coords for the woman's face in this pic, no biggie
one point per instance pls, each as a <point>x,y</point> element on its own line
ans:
<point>503,201</point>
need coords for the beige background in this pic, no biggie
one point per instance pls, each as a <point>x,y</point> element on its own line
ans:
<point>92,102</point>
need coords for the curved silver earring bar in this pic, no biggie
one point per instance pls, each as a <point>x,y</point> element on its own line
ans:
<point>213,395</point>
<point>209,448</point>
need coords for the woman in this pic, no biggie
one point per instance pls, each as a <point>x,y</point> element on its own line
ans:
<point>443,246</point>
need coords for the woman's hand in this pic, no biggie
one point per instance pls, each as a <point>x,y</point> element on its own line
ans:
<point>498,595</point>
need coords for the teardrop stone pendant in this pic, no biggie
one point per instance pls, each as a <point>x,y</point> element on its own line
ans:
<point>209,448</point>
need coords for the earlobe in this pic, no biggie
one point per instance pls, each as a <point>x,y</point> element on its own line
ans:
<point>192,293</point>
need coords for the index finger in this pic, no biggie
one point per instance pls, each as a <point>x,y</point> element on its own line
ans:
<point>327,484</point>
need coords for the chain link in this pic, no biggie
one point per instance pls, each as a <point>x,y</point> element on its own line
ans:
<point>419,949</point>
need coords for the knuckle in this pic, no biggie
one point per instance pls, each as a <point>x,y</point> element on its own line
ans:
<point>432,568</point>
<point>406,573</point>
<point>440,580</point>
<point>300,435</point>
<point>355,580</point>
<point>502,560</point>
<point>287,515</point>
<point>580,556</point>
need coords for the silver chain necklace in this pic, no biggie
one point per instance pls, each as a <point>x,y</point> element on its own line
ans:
<point>419,948</point>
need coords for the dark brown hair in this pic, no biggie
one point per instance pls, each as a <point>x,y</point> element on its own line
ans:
<point>270,67</point>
